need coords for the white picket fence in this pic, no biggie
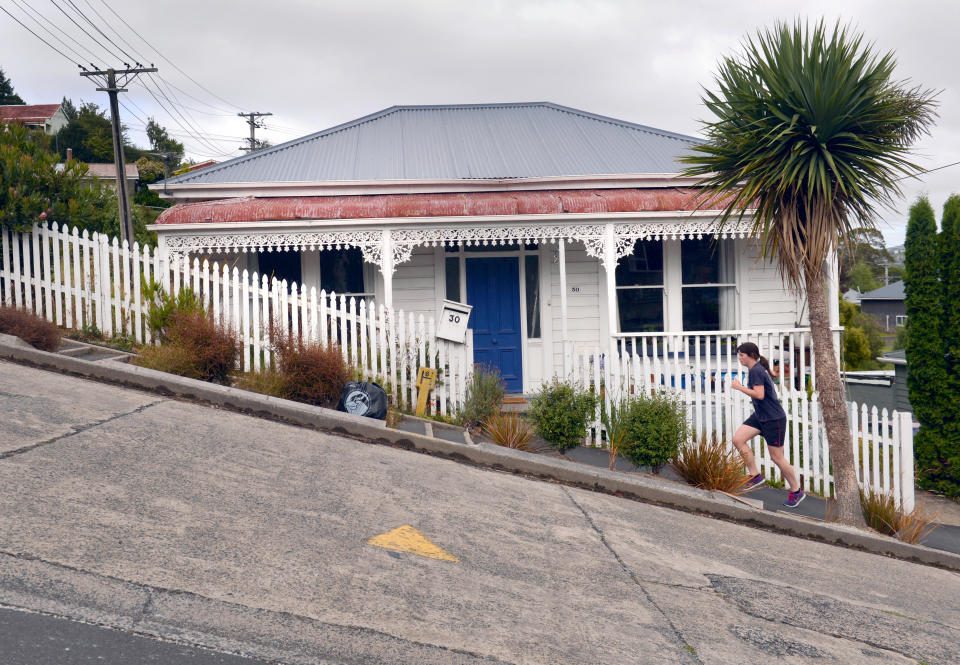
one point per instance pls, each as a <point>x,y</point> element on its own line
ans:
<point>83,280</point>
<point>698,369</point>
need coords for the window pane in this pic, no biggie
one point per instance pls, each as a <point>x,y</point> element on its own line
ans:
<point>644,267</point>
<point>641,310</point>
<point>706,261</point>
<point>532,278</point>
<point>453,278</point>
<point>341,270</point>
<point>282,265</point>
<point>709,307</point>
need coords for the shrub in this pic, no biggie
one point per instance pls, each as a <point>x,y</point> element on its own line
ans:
<point>711,465</point>
<point>311,372</point>
<point>484,396</point>
<point>508,429</point>
<point>560,412</point>
<point>163,307</point>
<point>195,346</point>
<point>32,329</point>
<point>657,427</point>
<point>615,423</point>
<point>882,514</point>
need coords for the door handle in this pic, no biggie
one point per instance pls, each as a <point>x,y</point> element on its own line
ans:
<point>493,340</point>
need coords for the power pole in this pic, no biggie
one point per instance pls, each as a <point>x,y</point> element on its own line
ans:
<point>252,121</point>
<point>108,82</point>
<point>165,156</point>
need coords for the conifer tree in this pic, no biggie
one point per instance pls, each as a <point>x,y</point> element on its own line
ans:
<point>950,335</point>
<point>926,377</point>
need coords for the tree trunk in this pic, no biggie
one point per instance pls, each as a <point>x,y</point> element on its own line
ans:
<point>833,404</point>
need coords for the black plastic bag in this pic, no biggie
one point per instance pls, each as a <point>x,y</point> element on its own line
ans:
<point>364,399</point>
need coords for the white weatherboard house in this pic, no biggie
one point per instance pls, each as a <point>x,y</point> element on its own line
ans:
<point>564,230</point>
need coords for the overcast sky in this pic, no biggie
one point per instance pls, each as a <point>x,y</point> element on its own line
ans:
<point>316,64</point>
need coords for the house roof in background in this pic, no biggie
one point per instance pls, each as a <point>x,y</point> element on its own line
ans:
<point>898,357</point>
<point>890,292</point>
<point>27,112</point>
<point>471,141</point>
<point>108,171</point>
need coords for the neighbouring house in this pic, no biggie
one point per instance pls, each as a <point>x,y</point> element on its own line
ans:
<point>887,305</point>
<point>564,230</point>
<point>106,173</point>
<point>852,296</point>
<point>901,395</point>
<point>47,117</point>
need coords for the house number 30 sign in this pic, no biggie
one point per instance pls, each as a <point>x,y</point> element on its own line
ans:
<point>453,321</point>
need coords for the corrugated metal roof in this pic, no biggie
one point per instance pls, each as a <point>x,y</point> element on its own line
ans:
<point>556,202</point>
<point>893,291</point>
<point>27,112</point>
<point>525,140</point>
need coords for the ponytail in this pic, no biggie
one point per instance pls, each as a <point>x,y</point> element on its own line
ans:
<point>752,350</point>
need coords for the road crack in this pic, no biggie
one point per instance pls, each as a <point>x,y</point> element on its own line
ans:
<point>686,647</point>
<point>77,429</point>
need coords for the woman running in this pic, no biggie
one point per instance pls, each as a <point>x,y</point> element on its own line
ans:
<point>768,419</point>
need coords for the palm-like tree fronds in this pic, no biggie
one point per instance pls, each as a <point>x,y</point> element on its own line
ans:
<point>812,133</point>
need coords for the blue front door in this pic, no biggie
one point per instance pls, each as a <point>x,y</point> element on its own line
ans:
<point>493,289</point>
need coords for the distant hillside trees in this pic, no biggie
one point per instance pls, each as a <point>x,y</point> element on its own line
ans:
<point>7,95</point>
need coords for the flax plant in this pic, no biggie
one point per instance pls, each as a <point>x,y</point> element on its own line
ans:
<point>809,134</point>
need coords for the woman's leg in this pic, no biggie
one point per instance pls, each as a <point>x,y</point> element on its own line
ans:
<point>743,434</point>
<point>789,475</point>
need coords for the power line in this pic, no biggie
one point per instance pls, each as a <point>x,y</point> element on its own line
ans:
<point>27,8</point>
<point>82,29</point>
<point>25,27</point>
<point>915,175</point>
<point>186,127</point>
<point>183,126</point>
<point>170,62</point>
<point>97,28</point>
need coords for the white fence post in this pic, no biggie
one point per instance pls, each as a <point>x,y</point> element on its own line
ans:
<point>905,424</point>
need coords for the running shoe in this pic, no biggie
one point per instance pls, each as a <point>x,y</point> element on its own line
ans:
<point>795,498</point>
<point>754,482</point>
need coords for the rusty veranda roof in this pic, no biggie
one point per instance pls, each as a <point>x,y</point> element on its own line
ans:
<point>392,206</point>
<point>523,140</point>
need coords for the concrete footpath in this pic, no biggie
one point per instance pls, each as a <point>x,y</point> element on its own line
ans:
<point>643,487</point>
<point>945,536</point>
<point>202,526</point>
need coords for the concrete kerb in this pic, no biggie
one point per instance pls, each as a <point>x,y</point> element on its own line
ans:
<point>651,490</point>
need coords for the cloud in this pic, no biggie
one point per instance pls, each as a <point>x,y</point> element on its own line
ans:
<point>317,64</point>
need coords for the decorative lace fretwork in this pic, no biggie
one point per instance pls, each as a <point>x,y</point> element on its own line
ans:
<point>369,242</point>
<point>405,240</point>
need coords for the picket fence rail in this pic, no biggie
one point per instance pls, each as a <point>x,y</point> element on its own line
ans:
<point>698,368</point>
<point>84,280</point>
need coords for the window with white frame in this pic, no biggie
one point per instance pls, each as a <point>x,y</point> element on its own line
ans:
<point>640,288</point>
<point>901,320</point>
<point>709,284</point>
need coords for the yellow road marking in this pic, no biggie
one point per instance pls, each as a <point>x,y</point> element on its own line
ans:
<point>407,539</point>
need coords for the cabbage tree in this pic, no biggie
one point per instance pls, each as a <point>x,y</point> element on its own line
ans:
<point>809,134</point>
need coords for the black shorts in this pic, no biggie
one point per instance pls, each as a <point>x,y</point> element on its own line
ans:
<point>772,431</point>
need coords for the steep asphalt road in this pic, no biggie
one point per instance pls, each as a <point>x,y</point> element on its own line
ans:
<point>209,528</point>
